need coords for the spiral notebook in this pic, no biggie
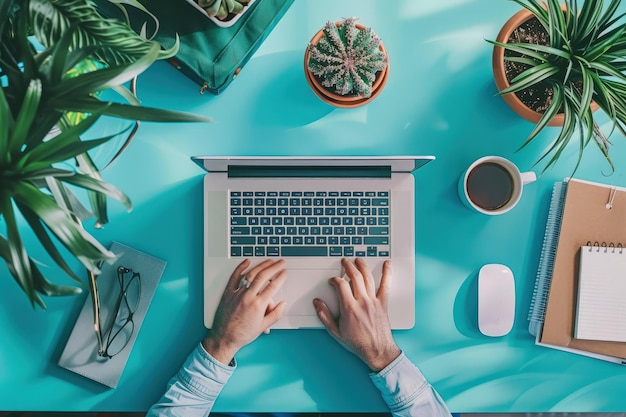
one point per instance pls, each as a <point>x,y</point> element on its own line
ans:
<point>579,212</point>
<point>600,307</point>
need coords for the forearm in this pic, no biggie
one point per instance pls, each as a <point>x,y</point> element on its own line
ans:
<point>194,389</point>
<point>406,391</point>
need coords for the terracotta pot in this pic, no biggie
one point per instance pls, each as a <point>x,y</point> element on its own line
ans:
<point>339,100</point>
<point>500,77</point>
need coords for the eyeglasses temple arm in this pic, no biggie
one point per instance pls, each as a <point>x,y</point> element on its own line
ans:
<point>95,301</point>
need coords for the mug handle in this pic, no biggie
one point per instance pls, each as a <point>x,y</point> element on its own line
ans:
<point>528,177</point>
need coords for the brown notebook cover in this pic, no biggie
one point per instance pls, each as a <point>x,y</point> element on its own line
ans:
<point>586,218</point>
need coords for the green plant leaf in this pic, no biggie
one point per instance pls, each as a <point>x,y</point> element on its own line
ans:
<point>93,184</point>
<point>16,252</point>
<point>521,48</point>
<point>97,201</point>
<point>530,77</point>
<point>126,111</point>
<point>121,44</point>
<point>102,79</point>
<point>26,117</point>
<point>66,144</point>
<point>66,228</point>
<point>556,23</point>
<point>552,110</point>
<point>44,238</point>
<point>5,253</point>
<point>6,124</point>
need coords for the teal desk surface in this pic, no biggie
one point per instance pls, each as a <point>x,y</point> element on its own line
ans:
<point>440,99</point>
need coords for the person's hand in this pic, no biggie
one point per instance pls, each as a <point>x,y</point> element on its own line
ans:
<point>244,313</point>
<point>362,326</point>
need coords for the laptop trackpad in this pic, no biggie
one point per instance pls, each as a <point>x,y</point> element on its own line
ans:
<point>303,285</point>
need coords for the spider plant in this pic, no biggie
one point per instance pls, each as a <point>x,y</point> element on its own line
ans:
<point>583,63</point>
<point>37,183</point>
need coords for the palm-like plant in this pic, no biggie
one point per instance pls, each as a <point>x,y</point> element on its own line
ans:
<point>583,62</point>
<point>35,99</point>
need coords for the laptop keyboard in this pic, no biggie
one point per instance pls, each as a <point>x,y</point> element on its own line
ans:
<point>309,223</point>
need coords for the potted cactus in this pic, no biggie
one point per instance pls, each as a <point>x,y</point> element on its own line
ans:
<point>346,64</point>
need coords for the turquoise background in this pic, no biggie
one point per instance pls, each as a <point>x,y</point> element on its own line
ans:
<point>440,99</point>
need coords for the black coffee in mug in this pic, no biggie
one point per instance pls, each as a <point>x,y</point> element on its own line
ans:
<point>489,185</point>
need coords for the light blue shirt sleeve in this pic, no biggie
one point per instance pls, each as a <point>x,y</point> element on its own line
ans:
<point>194,389</point>
<point>406,391</point>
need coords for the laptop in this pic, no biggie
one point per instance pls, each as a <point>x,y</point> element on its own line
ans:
<point>311,212</point>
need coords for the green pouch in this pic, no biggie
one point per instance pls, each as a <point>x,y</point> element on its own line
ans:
<point>210,55</point>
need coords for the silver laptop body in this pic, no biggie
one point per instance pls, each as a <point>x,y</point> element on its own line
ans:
<point>311,212</point>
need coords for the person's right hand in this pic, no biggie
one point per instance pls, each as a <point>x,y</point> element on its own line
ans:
<point>362,325</point>
<point>244,313</point>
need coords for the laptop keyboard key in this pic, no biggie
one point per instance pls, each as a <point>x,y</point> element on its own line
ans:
<point>304,251</point>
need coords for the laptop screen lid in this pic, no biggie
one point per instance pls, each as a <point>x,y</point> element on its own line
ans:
<point>230,237</point>
<point>393,163</point>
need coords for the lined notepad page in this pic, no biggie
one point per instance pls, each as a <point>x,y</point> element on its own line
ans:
<point>601,307</point>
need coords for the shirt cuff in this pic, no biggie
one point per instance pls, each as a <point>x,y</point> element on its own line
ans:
<point>400,382</point>
<point>204,374</point>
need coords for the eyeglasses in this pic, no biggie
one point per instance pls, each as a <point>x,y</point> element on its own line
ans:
<point>120,326</point>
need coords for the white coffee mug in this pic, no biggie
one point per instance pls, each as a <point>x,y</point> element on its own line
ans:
<point>493,185</point>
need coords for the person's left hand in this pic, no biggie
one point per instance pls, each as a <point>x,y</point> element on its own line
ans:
<point>244,313</point>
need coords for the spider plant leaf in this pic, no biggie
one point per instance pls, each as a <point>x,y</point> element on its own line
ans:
<point>533,50</point>
<point>603,97</point>
<point>536,9</point>
<point>603,44</point>
<point>556,23</point>
<point>561,140</point>
<point>89,183</point>
<point>607,69</point>
<point>571,19</point>
<point>589,15</point>
<point>65,227</point>
<point>521,48</point>
<point>521,60</point>
<point>552,110</point>
<point>530,77</point>
<point>607,19</point>
<point>16,251</point>
<point>587,91</point>
<point>35,223</point>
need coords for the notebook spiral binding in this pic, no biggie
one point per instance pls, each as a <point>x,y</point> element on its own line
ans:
<point>546,259</point>
<point>605,247</point>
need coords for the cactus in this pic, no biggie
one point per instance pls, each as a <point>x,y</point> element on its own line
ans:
<point>222,8</point>
<point>346,59</point>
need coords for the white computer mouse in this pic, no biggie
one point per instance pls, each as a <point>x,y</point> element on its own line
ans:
<point>496,300</point>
